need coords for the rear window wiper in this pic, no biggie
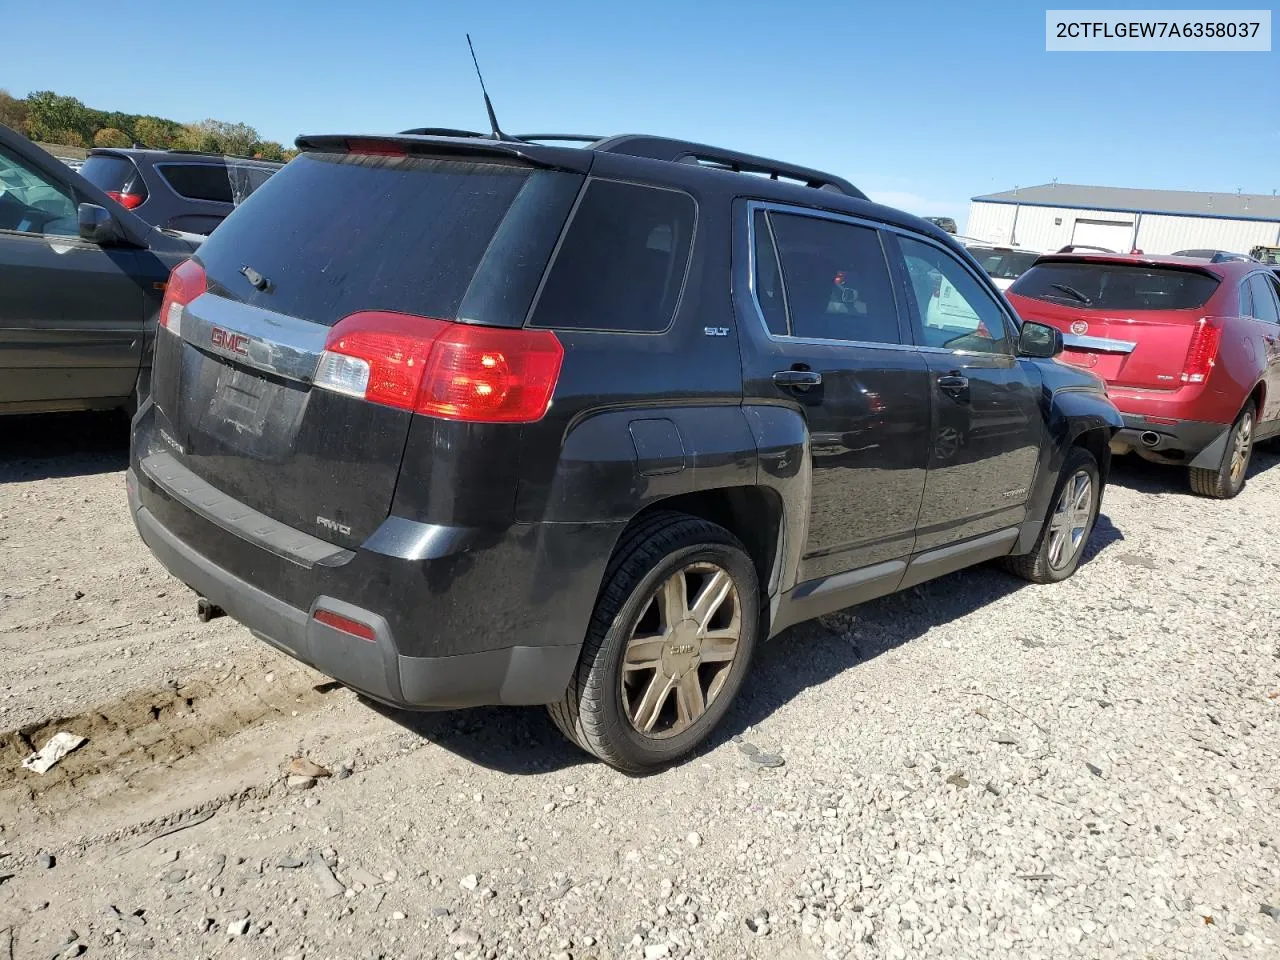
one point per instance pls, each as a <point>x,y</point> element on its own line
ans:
<point>1072,292</point>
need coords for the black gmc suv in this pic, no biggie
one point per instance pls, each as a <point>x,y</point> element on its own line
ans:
<point>467,420</point>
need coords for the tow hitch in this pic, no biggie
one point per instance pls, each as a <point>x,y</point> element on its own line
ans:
<point>206,611</point>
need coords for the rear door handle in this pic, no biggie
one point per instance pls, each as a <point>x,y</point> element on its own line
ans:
<point>797,379</point>
<point>953,383</point>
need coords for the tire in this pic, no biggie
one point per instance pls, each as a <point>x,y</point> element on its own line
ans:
<point>667,558</point>
<point>1228,479</point>
<point>1049,561</point>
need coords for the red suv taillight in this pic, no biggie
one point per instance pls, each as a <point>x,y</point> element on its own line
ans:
<point>1203,352</point>
<point>186,282</point>
<point>127,200</point>
<point>456,371</point>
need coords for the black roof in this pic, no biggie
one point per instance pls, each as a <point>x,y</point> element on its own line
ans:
<point>762,178</point>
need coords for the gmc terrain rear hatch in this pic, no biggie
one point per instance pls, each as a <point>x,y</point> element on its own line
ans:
<point>303,324</point>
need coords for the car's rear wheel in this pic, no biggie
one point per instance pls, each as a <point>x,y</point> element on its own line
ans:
<point>670,641</point>
<point>1227,479</point>
<point>1072,515</point>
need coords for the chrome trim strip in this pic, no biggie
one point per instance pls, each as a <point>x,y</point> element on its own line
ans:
<point>1101,344</point>
<point>277,343</point>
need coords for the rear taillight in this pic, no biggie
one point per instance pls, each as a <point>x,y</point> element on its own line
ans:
<point>455,371</point>
<point>127,200</point>
<point>1203,352</point>
<point>186,282</point>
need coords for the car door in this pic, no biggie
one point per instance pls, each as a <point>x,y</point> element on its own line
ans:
<point>1265,292</point>
<point>822,333</point>
<point>986,425</point>
<point>71,313</point>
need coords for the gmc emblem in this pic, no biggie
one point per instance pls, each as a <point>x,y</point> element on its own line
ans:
<point>229,340</point>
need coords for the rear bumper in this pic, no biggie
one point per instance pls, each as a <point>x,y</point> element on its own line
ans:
<point>1193,442</point>
<point>504,632</point>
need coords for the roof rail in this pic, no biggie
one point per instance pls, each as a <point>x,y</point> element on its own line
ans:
<point>562,137</point>
<point>443,132</point>
<point>685,151</point>
<point>674,151</point>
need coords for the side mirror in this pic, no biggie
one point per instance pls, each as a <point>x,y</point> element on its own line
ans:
<point>1039,340</point>
<point>97,225</point>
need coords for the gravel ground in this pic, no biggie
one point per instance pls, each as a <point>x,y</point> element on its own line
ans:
<point>974,768</point>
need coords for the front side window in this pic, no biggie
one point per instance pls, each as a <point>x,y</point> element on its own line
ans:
<point>836,279</point>
<point>1264,299</point>
<point>622,263</point>
<point>31,204</point>
<point>955,312</point>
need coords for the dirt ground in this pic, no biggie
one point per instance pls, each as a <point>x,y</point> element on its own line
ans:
<point>172,831</point>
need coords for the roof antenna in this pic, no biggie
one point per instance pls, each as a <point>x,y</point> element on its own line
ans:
<point>493,119</point>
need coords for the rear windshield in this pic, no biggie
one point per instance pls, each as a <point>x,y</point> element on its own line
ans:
<point>334,234</point>
<point>108,172</point>
<point>1116,286</point>
<point>1004,264</point>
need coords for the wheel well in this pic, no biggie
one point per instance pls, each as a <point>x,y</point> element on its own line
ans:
<point>752,514</point>
<point>1258,397</point>
<point>1097,442</point>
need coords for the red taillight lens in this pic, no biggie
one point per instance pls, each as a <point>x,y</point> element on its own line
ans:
<point>1203,352</point>
<point>345,624</point>
<point>186,282</point>
<point>127,200</point>
<point>455,371</point>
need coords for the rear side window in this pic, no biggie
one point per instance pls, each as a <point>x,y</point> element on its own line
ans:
<point>623,260</point>
<point>1264,299</point>
<point>198,181</point>
<point>336,233</point>
<point>1115,286</point>
<point>837,280</point>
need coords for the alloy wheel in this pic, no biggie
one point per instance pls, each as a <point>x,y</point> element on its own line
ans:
<point>681,650</point>
<point>1240,448</point>
<point>1071,519</point>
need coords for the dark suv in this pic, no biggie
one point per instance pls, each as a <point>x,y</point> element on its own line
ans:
<point>176,189</point>
<point>468,421</point>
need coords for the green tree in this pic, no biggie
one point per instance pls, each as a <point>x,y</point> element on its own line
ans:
<point>13,112</point>
<point>155,132</point>
<point>49,113</point>
<point>268,150</point>
<point>111,137</point>
<point>218,136</point>
<point>68,138</point>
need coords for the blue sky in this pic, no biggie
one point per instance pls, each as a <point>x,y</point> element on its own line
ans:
<point>923,105</point>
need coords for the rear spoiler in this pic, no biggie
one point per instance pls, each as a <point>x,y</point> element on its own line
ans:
<point>1127,260</point>
<point>434,145</point>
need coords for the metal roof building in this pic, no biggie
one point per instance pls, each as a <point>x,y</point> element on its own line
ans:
<point>1052,215</point>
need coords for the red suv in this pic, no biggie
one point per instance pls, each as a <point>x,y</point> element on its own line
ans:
<point>1189,348</point>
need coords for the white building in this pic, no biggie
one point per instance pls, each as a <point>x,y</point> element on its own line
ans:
<point>1053,215</point>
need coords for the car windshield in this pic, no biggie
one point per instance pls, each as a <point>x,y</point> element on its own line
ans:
<point>1004,264</point>
<point>1116,286</point>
